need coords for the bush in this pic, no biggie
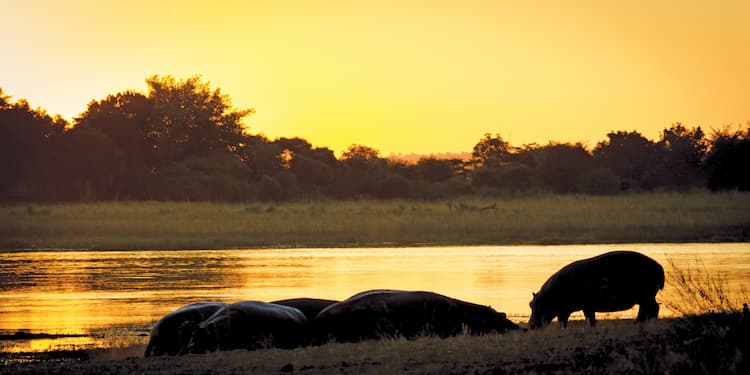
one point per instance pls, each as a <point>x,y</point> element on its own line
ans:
<point>696,291</point>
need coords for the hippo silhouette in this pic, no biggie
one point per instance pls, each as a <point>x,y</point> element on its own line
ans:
<point>309,306</point>
<point>250,325</point>
<point>172,333</point>
<point>608,282</point>
<point>389,313</point>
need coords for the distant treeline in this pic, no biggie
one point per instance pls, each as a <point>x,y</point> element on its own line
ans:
<point>183,141</point>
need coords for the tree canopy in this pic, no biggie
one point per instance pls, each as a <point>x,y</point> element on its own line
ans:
<point>183,140</point>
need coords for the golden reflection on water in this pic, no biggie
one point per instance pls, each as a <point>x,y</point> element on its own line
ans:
<point>87,292</point>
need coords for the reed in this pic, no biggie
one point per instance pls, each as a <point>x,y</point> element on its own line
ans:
<point>695,290</point>
<point>473,220</point>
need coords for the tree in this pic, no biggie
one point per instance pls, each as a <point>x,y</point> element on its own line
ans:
<point>629,155</point>
<point>728,162</point>
<point>188,118</point>
<point>435,170</point>
<point>360,152</point>
<point>29,151</point>
<point>490,152</point>
<point>561,166</point>
<point>122,118</point>
<point>682,152</point>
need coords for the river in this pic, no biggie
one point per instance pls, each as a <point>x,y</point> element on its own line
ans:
<point>113,297</point>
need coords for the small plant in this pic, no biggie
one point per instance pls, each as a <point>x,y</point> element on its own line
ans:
<point>696,291</point>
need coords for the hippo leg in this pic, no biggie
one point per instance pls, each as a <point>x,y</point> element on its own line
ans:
<point>563,319</point>
<point>648,310</point>
<point>590,316</point>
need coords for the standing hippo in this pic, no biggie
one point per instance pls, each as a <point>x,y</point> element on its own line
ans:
<point>250,325</point>
<point>171,334</point>
<point>388,313</point>
<point>309,306</point>
<point>609,282</point>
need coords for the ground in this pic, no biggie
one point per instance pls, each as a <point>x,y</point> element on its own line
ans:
<point>708,343</point>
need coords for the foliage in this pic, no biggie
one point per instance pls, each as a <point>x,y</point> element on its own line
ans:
<point>183,140</point>
<point>728,160</point>
<point>490,152</point>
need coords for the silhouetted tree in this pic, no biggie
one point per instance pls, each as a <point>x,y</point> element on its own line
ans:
<point>490,152</point>
<point>363,171</point>
<point>436,170</point>
<point>561,166</point>
<point>682,151</point>
<point>628,155</point>
<point>122,120</point>
<point>29,151</point>
<point>189,118</point>
<point>728,162</point>
<point>360,152</point>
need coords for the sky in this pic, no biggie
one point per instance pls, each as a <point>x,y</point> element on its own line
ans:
<point>400,76</point>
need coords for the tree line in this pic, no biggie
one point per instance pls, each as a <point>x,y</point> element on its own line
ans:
<point>183,140</point>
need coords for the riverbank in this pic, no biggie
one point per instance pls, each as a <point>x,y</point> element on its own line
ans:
<point>548,219</point>
<point>709,343</point>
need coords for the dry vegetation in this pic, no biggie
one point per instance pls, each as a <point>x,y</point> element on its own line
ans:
<point>701,344</point>
<point>697,291</point>
<point>549,219</point>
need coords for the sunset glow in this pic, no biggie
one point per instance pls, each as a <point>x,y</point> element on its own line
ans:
<point>416,76</point>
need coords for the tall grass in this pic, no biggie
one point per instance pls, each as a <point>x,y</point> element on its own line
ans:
<point>697,291</point>
<point>551,219</point>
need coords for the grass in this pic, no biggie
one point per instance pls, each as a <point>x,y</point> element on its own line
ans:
<point>716,343</point>
<point>551,219</point>
<point>696,291</point>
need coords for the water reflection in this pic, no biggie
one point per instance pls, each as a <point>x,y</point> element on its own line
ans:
<point>86,292</point>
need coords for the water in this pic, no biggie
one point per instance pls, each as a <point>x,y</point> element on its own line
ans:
<point>113,297</point>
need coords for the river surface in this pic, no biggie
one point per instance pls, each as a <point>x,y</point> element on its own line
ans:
<point>113,297</point>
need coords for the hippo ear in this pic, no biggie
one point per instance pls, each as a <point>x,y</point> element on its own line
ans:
<point>533,294</point>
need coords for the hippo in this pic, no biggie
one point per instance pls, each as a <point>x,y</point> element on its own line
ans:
<point>390,313</point>
<point>309,306</point>
<point>172,333</point>
<point>613,281</point>
<point>250,325</point>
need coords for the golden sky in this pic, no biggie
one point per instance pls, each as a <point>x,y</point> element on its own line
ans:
<point>400,76</point>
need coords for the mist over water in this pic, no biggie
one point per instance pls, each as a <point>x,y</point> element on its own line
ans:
<point>103,295</point>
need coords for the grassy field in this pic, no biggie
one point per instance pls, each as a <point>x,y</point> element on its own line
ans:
<point>713,343</point>
<point>549,219</point>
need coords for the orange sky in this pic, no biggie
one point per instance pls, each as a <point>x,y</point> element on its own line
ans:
<point>400,76</point>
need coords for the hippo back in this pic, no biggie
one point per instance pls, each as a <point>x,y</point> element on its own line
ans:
<point>613,281</point>
<point>172,333</point>
<point>309,306</point>
<point>251,325</point>
<point>388,313</point>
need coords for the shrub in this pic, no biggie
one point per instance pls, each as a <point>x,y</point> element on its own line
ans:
<point>696,291</point>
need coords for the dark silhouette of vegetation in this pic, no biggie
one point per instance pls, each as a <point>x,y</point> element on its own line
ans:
<point>183,140</point>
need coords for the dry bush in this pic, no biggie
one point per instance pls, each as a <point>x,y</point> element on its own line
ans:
<point>697,291</point>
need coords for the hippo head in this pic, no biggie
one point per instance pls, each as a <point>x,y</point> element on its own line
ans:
<point>541,315</point>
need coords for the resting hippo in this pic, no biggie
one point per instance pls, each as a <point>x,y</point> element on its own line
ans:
<point>309,306</point>
<point>613,281</point>
<point>388,313</point>
<point>172,333</point>
<point>250,325</point>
